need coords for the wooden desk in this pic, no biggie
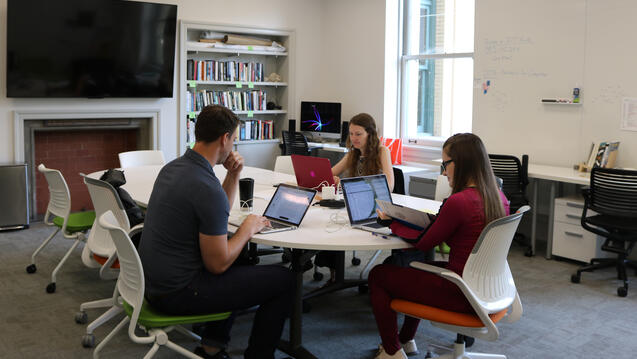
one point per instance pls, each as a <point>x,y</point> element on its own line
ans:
<point>554,175</point>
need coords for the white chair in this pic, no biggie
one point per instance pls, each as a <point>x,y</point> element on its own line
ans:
<point>443,190</point>
<point>283,164</point>
<point>73,225</point>
<point>100,252</point>
<point>486,282</point>
<point>141,158</point>
<point>130,286</point>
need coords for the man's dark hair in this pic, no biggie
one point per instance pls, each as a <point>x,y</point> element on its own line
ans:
<point>213,122</point>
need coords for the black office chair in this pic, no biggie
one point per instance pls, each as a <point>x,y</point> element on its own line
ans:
<point>295,143</point>
<point>399,181</point>
<point>515,179</point>
<point>613,197</point>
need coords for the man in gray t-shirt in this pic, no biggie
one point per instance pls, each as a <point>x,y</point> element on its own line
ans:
<point>187,256</point>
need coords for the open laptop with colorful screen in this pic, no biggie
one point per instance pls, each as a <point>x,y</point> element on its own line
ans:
<point>360,195</point>
<point>311,172</point>
<point>286,209</point>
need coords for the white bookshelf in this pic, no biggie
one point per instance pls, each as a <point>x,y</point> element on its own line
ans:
<point>281,93</point>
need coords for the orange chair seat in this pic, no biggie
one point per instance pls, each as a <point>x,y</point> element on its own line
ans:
<point>442,316</point>
<point>101,260</point>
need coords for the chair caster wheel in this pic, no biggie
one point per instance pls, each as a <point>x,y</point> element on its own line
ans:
<point>528,253</point>
<point>575,278</point>
<point>285,258</point>
<point>363,289</point>
<point>356,261</point>
<point>307,307</point>
<point>31,269</point>
<point>622,292</point>
<point>50,288</point>
<point>317,276</point>
<point>81,317</point>
<point>88,340</point>
<point>468,341</point>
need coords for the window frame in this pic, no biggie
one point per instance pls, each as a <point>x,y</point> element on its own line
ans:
<point>433,141</point>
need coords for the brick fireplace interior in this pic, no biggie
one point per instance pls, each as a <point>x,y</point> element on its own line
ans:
<point>78,145</point>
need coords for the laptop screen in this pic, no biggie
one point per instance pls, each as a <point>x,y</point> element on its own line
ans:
<point>289,204</point>
<point>360,195</point>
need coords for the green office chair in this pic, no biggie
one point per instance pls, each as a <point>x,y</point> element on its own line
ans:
<point>130,286</point>
<point>73,225</point>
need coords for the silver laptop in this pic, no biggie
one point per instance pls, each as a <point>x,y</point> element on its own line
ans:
<point>286,209</point>
<point>360,194</point>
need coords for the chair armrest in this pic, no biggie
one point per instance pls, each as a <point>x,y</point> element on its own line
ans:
<point>106,272</point>
<point>516,310</point>
<point>138,228</point>
<point>454,278</point>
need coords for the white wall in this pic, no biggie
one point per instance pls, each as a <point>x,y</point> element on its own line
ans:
<point>544,48</point>
<point>353,57</point>
<point>306,17</point>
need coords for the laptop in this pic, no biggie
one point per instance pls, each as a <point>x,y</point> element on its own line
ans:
<point>286,209</point>
<point>360,194</point>
<point>311,172</point>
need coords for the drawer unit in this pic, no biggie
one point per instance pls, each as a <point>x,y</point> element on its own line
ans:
<point>574,242</point>
<point>570,239</point>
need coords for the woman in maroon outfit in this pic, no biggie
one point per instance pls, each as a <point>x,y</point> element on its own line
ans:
<point>475,201</point>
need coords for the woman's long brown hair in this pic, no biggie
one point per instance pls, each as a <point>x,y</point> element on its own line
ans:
<point>471,164</point>
<point>371,165</point>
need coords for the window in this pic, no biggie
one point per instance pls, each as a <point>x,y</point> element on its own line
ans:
<point>436,69</point>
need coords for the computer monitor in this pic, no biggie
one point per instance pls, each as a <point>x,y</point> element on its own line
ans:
<point>321,119</point>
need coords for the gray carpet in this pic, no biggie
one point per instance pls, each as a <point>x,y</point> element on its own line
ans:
<point>560,320</point>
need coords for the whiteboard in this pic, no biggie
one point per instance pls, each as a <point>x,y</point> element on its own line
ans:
<point>529,50</point>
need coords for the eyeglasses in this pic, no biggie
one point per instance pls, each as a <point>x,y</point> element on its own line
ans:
<point>444,164</point>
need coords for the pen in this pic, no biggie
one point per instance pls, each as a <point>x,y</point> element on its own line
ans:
<point>380,235</point>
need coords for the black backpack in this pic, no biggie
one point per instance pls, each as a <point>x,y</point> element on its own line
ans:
<point>116,179</point>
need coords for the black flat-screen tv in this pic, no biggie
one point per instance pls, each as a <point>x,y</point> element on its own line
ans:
<point>90,48</point>
<point>322,119</point>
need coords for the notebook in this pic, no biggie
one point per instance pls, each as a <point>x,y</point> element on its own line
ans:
<point>360,194</point>
<point>286,209</point>
<point>311,172</point>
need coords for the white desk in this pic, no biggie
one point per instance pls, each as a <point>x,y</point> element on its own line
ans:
<point>140,180</point>
<point>328,146</point>
<point>554,174</point>
<point>316,232</point>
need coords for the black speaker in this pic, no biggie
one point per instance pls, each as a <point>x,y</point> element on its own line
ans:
<point>292,125</point>
<point>344,133</point>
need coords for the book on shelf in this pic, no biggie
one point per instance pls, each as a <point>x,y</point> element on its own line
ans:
<point>255,100</point>
<point>603,154</point>
<point>256,130</point>
<point>213,70</point>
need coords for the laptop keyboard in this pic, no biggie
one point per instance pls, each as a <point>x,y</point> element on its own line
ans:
<point>374,225</point>
<point>275,225</point>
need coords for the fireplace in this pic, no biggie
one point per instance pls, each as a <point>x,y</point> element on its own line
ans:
<point>75,142</point>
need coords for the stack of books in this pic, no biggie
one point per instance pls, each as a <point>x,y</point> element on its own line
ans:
<point>603,154</point>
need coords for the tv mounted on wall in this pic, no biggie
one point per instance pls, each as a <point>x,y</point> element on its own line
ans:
<point>322,119</point>
<point>90,48</point>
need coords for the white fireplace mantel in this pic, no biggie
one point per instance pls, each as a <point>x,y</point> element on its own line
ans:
<point>20,116</point>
